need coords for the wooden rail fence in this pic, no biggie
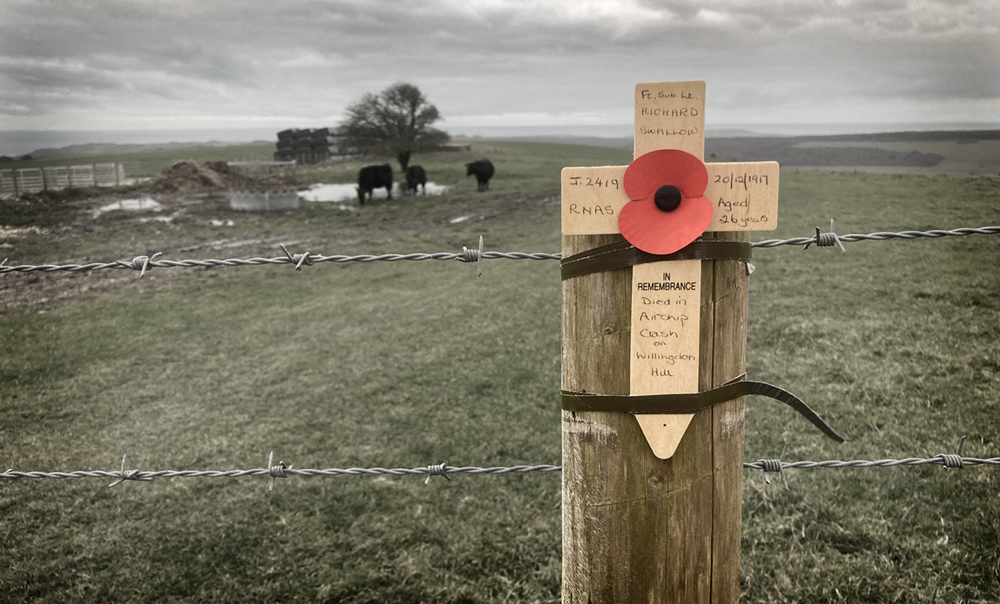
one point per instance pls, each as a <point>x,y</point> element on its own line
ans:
<point>22,180</point>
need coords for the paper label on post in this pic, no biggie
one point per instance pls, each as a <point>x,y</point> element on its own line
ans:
<point>666,320</point>
<point>744,196</point>
<point>670,115</point>
<point>666,331</point>
<point>592,199</point>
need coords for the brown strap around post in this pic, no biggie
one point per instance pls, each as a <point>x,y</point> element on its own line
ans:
<point>681,404</point>
<point>623,254</point>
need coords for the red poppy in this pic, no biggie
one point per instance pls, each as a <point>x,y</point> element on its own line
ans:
<point>668,209</point>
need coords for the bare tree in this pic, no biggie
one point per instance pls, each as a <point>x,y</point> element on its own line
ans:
<point>396,121</point>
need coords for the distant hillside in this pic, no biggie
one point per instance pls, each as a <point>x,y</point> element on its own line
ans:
<point>960,136</point>
<point>808,151</point>
<point>111,148</point>
<point>931,152</point>
<point>598,141</point>
<point>946,152</point>
<point>555,139</point>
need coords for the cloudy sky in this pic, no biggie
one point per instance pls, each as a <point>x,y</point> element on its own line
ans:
<point>165,64</point>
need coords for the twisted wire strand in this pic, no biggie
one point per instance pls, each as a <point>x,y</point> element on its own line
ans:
<point>430,470</point>
<point>947,461</point>
<point>298,260</point>
<point>826,239</point>
<point>768,465</point>
<point>143,263</point>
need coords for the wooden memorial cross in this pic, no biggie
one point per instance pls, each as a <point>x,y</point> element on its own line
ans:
<point>648,515</point>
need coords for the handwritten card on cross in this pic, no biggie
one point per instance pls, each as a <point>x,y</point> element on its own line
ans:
<point>666,297</point>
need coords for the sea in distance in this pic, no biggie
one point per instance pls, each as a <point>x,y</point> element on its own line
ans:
<point>19,142</point>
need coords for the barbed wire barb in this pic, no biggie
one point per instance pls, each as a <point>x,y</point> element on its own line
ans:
<point>474,256</point>
<point>128,474</point>
<point>776,466</point>
<point>827,239</point>
<point>438,470</point>
<point>954,461</point>
<point>141,263</point>
<point>278,471</point>
<point>297,259</point>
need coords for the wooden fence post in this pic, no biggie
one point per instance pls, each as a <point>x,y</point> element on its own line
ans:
<point>637,528</point>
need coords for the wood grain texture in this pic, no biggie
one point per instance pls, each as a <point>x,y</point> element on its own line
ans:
<point>637,528</point>
<point>730,334</point>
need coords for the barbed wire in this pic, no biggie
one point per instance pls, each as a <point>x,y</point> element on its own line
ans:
<point>282,470</point>
<point>831,238</point>
<point>945,460</point>
<point>145,263</point>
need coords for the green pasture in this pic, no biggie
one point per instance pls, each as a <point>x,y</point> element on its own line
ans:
<point>406,364</point>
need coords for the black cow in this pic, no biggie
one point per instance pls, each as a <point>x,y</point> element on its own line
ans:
<point>483,170</point>
<point>415,175</point>
<point>374,177</point>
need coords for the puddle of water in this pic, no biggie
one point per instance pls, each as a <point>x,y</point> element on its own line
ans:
<point>142,203</point>
<point>349,192</point>
<point>12,232</point>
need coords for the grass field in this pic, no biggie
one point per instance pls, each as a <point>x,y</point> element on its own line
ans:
<point>896,344</point>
